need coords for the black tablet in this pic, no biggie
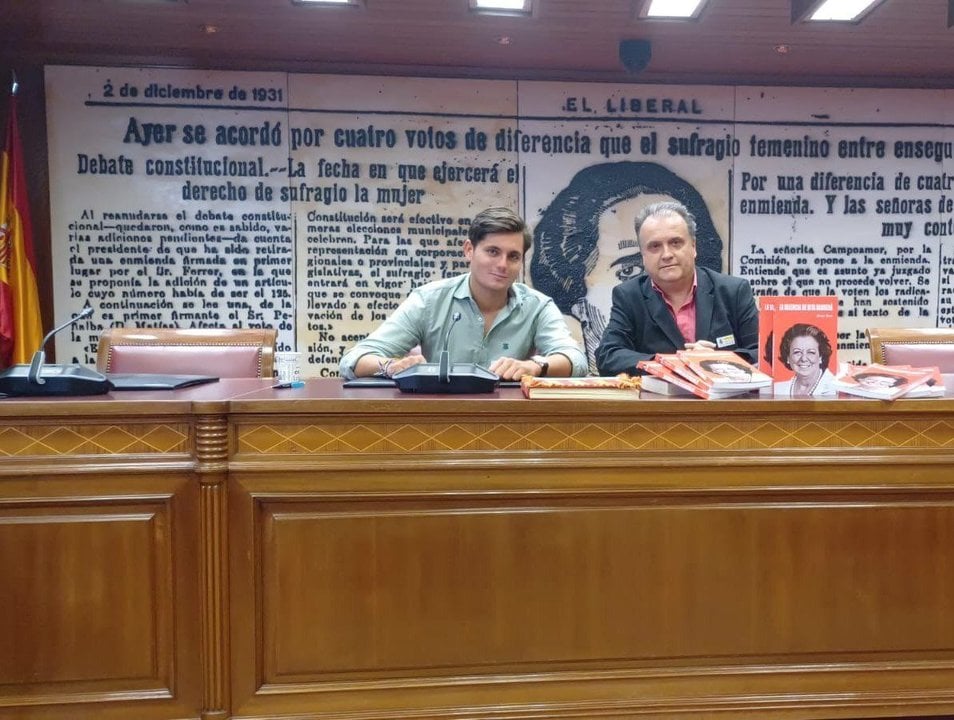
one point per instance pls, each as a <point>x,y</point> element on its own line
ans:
<point>153,381</point>
<point>383,382</point>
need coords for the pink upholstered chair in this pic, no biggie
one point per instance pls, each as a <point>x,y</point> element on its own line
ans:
<point>913,346</point>
<point>223,352</point>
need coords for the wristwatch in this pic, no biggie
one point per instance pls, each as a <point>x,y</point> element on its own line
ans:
<point>542,362</point>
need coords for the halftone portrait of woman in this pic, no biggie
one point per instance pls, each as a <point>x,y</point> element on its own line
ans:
<point>806,350</point>
<point>585,243</point>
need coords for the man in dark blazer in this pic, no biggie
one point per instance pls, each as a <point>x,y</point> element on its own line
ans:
<point>675,305</point>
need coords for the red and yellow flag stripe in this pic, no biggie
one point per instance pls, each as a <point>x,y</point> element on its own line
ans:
<point>20,322</point>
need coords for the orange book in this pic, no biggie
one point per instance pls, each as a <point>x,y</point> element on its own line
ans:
<point>934,387</point>
<point>883,382</point>
<point>723,369</point>
<point>663,381</point>
<point>672,361</point>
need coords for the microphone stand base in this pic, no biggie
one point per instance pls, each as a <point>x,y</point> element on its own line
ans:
<point>58,381</point>
<point>463,379</point>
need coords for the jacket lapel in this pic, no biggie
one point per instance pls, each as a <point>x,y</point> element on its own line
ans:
<point>660,315</point>
<point>705,303</point>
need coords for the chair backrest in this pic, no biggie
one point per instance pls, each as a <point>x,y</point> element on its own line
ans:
<point>920,347</point>
<point>223,352</point>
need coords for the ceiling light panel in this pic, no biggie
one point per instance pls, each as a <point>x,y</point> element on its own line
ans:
<point>671,9</point>
<point>329,3</point>
<point>841,10</point>
<point>502,7</point>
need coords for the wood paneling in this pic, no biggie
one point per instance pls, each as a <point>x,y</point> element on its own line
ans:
<point>102,575</point>
<point>506,559</point>
<point>467,586</point>
<point>359,555</point>
<point>100,584</point>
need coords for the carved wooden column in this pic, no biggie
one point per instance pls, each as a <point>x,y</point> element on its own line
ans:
<point>211,447</point>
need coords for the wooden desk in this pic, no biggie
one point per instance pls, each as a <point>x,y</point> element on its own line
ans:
<point>387,556</point>
<point>111,599</point>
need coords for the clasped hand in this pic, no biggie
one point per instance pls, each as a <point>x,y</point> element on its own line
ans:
<point>398,364</point>
<point>511,369</point>
<point>506,368</point>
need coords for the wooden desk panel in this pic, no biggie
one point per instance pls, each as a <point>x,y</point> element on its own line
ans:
<point>88,599</point>
<point>466,585</point>
<point>102,579</point>
<point>238,551</point>
<point>575,560</point>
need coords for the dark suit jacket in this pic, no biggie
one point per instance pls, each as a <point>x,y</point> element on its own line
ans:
<point>641,324</point>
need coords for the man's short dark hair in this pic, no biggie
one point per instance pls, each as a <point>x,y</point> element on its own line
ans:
<point>804,330</point>
<point>498,220</point>
<point>665,209</point>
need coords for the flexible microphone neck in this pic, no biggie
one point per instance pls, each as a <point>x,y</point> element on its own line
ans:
<point>82,315</point>
<point>443,366</point>
<point>39,357</point>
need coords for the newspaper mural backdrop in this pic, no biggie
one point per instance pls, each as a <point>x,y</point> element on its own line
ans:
<point>314,203</point>
<point>384,176</point>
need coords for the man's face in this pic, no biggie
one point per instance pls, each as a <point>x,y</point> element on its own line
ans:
<point>495,261</point>
<point>617,250</point>
<point>669,254</point>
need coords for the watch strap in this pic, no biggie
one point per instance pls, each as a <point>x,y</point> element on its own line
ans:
<point>543,363</point>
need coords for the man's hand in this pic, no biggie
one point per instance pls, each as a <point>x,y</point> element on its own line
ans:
<point>700,345</point>
<point>396,366</point>
<point>510,369</point>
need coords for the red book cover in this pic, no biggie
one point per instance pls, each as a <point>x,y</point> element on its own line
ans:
<point>723,369</point>
<point>934,387</point>
<point>798,338</point>
<point>766,331</point>
<point>672,361</point>
<point>659,371</point>
<point>662,380</point>
<point>884,382</point>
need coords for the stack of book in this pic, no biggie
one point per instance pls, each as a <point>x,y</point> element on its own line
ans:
<point>621,387</point>
<point>709,374</point>
<point>889,382</point>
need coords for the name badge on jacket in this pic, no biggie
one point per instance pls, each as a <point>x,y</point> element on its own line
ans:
<point>725,341</point>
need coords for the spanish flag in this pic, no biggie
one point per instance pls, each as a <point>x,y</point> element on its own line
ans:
<point>20,322</point>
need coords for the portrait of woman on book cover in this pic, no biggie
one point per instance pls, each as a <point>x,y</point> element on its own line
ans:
<point>878,381</point>
<point>806,350</point>
<point>734,371</point>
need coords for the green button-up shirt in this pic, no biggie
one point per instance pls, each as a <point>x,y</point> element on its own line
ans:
<point>530,324</point>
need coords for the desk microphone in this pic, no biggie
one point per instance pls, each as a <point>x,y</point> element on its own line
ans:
<point>39,379</point>
<point>443,360</point>
<point>444,377</point>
